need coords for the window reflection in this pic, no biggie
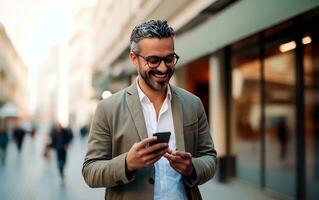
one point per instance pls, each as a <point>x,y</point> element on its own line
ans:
<point>279,70</point>
<point>278,139</point>
<point>246,111</point>
<point>311,77</point>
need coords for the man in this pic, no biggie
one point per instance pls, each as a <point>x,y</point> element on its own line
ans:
<point>18,135</point>
<point>121,156</point>
<point>60,140</point>
<point>4,139</point>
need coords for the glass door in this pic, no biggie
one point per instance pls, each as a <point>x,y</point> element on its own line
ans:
<point>246,109</point>
<point>280,113</point>
<point>311,85</point>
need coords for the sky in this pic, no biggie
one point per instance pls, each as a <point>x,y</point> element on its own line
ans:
<point>35,26</point>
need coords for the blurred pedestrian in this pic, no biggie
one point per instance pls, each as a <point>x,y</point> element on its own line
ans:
<point>3,143</point>
<point>18,135</point>
<point>33,130</point>
<point>121,155</point>
<point>60,140</point>
<point>84,130</point>
<point>283,136</point>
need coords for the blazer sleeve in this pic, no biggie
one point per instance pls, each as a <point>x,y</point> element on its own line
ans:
<point>99,168</point>
<point>205,159</point>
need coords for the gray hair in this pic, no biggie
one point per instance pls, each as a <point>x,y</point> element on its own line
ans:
<point>150,29</point>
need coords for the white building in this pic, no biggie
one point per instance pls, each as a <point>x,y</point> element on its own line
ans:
<point>13,75</point>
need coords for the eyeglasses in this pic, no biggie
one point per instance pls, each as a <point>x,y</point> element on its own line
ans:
<point>155,61</point>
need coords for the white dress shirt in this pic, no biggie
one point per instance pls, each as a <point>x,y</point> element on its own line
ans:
<point>168,183</point>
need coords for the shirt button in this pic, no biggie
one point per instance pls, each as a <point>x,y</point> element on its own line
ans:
<point>151,180</point>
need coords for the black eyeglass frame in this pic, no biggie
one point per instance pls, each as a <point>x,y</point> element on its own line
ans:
<point>160,58</point>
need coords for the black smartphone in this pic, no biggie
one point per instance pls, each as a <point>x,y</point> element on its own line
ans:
<point>162,137</point>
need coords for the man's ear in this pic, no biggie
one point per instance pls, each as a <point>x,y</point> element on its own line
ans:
<point>134,59</point>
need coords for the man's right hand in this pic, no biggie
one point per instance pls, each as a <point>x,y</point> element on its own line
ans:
<point>142,154</point>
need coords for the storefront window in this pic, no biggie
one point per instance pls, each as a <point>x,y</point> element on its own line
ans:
<point>279,71</point>
<point>311,77</point>
<point>246,109</point>
<point>269,158</point>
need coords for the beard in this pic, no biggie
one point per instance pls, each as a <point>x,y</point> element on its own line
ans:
<point>156,85</point>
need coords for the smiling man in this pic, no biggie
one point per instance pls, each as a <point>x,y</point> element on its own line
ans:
<point>123,155</point>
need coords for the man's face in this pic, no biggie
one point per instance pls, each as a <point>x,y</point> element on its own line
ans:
<point>156,78</point>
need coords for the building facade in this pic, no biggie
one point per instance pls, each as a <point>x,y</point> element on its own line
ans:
<point>254,64</point>
<point>13,75</point>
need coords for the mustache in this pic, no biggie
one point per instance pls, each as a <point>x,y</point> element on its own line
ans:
<point>168,72</point>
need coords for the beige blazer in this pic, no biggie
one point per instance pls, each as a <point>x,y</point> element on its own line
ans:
<point>118,123</point>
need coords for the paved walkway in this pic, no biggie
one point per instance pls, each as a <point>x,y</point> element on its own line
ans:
<point>236,190</point>
<point>29,176</point>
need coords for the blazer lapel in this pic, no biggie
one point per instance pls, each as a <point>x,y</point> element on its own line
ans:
<point>177,111</point>
<point>134,105</point>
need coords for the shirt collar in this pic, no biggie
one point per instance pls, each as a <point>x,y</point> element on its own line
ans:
<point>142,95</point>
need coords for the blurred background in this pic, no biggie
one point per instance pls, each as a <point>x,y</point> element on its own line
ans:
<point>253,63</point>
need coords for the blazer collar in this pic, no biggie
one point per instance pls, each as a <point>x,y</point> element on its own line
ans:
<point>177,111</point>
<point>134,105</point>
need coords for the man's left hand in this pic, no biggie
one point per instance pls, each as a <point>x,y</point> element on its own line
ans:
<point>180,161</point>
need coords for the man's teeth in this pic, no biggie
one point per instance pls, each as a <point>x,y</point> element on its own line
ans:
<point>160,76</point>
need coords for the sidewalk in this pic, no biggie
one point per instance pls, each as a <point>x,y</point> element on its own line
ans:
<point>29,176</point>
<point>235,190</point>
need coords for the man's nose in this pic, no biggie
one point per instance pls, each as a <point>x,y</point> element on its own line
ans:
<point>162,66</point>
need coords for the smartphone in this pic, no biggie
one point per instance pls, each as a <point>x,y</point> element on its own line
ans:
<point>162,137</point>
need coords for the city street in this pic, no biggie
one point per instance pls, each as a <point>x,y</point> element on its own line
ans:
<point>30,176</point>
<point>251,76</point>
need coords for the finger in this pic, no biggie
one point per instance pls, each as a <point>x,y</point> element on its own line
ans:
<point>176,167</point>
<point>156,147</point>
<point>173,158</point>
<point>176,159</point>
<point>162,152</point>
<point>168,156</point>
<point>146,159</point>
<point>185,169</point>
<point>145,142</point>
<point>168,153</point>
<point>156,154</point>
<point>152,158</point>
<point>181,168</point>
<point>183,154</point>
<point>152,161</point>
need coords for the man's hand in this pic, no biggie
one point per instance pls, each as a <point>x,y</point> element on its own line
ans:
<point>142,154</point>
<point>180,161</point>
